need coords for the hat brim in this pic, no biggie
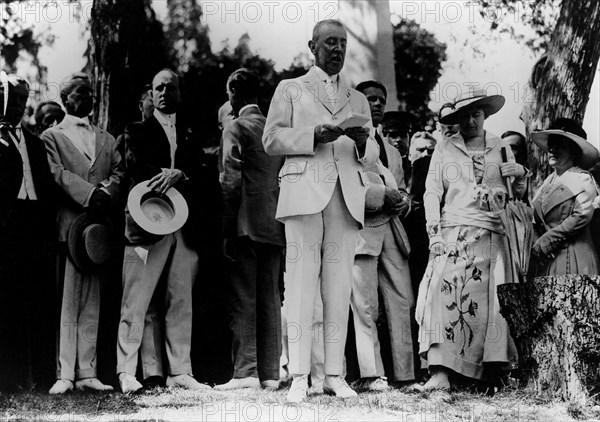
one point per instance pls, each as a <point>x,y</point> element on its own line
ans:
<point>589,153</point>
<point>490,105</point>
<point>142,192</point>
<point>78,248</point>
<point>376,218</point>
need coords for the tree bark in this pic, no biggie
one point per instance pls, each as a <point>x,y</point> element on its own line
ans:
<point>555,322</point>
<point>127,48</point>
<point>562,78</point>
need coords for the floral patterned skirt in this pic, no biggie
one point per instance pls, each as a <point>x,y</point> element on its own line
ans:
<point>460,326</point>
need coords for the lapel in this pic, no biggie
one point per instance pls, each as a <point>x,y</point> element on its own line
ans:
<point>100,141</point>
<point>343,95</point>
<point>317,89</point>
<point>563,190</point>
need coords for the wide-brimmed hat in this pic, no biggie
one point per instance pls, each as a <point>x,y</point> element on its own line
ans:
<point>90,242</point>
<point>155,213</point>
<point>472,99</point>
<point>569,130</point>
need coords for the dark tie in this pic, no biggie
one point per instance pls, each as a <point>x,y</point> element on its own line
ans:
<point>382,153</point>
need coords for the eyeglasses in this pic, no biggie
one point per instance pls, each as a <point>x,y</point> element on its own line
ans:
<point>429,150</point>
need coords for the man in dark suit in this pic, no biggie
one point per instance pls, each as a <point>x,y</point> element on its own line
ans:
<point>28,308</point>
<point>254,239</point>
<point>162,152</point>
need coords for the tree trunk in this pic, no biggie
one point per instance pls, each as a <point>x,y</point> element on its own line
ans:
<point>555,322</point>
<point>127,48</point>
<point>562,78</point>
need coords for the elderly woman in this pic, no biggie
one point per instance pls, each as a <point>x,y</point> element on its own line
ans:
<point>563,204</point>
<point>461,328</point>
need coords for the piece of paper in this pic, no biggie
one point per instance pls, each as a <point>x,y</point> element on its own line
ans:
<point>354,120</point>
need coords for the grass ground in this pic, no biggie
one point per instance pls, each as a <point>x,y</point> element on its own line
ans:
<point>258,405</point>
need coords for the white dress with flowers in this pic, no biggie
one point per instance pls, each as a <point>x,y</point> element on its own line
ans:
<point>460,326</point>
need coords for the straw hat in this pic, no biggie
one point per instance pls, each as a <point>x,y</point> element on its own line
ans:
<point>377,174</point>
<point>155,213</point>
<point>472,99</point>
<point>90,242</point>
<point>568,130</point>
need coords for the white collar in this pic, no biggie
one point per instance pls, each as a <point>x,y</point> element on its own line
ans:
<point>323,76</point>
<point>246,107</point>
<point>71,120</point>
<point>164,118</point>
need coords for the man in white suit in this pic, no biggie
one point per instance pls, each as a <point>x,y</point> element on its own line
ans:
<point>321,200</point>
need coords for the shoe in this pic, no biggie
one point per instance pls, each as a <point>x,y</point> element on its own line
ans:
<point>437,382</point>
<point>61,386</point>
<point>336,385</point>
<point>238,383</point>
<point>376,384</point>
<point>92,384</point>
<point>185,381</point>
<point>128,383</point>
<point>270,385</point>
<point>298,389</point>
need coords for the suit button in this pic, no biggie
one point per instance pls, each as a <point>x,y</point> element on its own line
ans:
<point>334,118</point>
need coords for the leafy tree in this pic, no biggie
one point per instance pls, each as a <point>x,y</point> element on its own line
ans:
<point>418,58</point>
<point>19,41</point>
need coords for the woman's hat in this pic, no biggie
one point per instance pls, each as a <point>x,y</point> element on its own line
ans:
<point>570,130</point>
<point>90,242</point>
<point>155,213</point>
<point>473,99</point>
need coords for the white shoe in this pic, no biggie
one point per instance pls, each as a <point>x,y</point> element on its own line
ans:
<point>61,386</point>
<point>128,383</point>
<point>270,385</point>
<point>185,381</point>
<point>336,385</point>
<point>316,386</point>
<point>92,384</point>
<point>298,389</point>
<point>238,383</point>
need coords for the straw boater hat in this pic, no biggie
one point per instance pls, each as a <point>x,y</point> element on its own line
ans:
<point>473,99</point>
<point>155,213</point>
<point>568,130</point>
<point>90,242</point>
<point>376,174</point>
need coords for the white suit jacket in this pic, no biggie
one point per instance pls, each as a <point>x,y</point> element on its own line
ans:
<point>308,176</point>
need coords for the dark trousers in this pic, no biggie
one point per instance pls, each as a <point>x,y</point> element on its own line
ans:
<point>28,303</point>
<point>255,309</point>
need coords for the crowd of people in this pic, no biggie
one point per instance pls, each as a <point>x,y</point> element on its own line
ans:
<point>349,237</point>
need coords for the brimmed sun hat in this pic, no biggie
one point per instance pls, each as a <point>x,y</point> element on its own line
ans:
<point>572,131</point>
<point>376,175</point>
<point>472,99</point>
<point>90,242</point>
<point>155,213</point>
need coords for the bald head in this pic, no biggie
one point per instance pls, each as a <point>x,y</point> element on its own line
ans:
<point>165,91</point>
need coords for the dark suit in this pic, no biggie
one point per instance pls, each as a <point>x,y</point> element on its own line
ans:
<point>255,243</point>
<point>28,308</point>
<point>173,256</point>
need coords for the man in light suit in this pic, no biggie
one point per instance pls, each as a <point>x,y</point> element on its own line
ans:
<point>161,151</point>
<point>254,240</point>
<point>86,167</point>
<point>321,201</point>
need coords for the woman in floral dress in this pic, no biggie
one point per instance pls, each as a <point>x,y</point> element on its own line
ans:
<point>461,329</point>
<point>564,203</point>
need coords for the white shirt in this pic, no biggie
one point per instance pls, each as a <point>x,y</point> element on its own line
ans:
<point>330,82</point>
<point>168,121</point>
<point>82,135</point>
<point>27,188</point>
<point>245,107</point>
